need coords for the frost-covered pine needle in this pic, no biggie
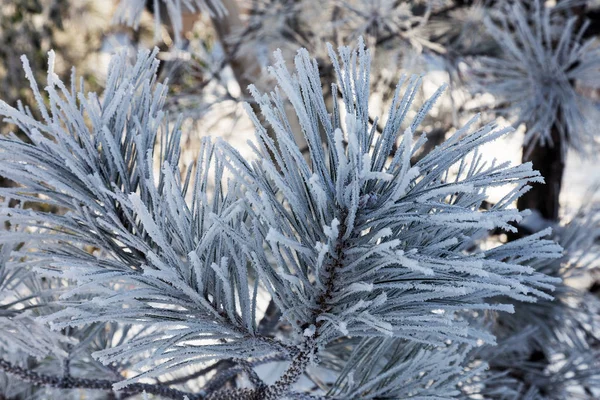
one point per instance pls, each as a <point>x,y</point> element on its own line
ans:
<point>355,244</point>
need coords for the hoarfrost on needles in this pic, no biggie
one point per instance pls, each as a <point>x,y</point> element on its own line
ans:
<point>187,264</point>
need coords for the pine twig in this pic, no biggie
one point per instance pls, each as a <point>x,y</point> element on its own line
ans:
<point>69,382</point>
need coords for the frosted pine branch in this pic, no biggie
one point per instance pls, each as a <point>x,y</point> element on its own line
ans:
<point>359,249</point>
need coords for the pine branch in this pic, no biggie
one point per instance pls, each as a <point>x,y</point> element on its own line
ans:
<point>293,373</point>
<point>69,382</point>
<point>360,252</point>
<point>277,389</point>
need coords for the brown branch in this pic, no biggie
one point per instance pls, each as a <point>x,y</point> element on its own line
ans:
<point>274,391</point>
<point>69,382</point>
<point>291,375</point>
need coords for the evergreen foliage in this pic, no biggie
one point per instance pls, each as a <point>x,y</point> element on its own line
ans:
<point>359,249</point>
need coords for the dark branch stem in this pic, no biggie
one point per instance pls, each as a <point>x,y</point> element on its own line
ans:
<point>69,382</point>
<point>335,263</point>
<point>291,375</point>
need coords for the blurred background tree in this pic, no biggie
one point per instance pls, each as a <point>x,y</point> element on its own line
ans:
<point>34,27</point>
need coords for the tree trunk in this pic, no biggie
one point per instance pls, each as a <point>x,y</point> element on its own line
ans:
<point>245,67</point>
<point>550,162</point>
